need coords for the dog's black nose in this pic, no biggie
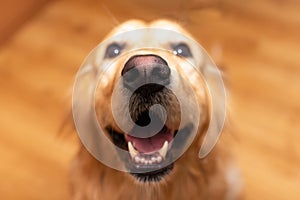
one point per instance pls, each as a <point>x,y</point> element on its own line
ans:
<point>145,69</point>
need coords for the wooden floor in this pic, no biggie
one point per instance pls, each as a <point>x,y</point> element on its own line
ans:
<point>256,42</point>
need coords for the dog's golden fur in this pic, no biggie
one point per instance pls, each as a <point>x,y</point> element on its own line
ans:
<point>211,178</point>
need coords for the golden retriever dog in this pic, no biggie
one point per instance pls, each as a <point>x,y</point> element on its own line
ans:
<point>137,67</point>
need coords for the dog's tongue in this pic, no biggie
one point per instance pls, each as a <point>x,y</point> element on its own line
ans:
<point>151,144</point>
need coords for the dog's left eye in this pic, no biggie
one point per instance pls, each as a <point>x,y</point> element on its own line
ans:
<point>113,50</point>
<point>182,49</point>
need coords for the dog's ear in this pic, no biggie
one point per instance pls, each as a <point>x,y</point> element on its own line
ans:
<point>217,92</point>
<point>67,125</point>
<point>87,77</point>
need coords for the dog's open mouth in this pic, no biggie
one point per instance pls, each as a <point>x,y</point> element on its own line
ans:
<point>148,152</point>
<point>148,155</point>
<point>151,154</point>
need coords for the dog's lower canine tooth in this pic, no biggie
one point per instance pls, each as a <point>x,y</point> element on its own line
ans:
<point>132,151</point>
<point>163,150</point>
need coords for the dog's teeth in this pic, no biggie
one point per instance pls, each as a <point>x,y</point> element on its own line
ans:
<point>153,159</point>
<point>163,150</point>
<point>158,159</point>
<point>134,154</point>
<point>148,161</point>
<point>132,151</point>
<point>137,159</point>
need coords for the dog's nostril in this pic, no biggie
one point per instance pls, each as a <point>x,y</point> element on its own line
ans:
<point>144,69</point>
<point>161,71</point>
<point>131,75</point>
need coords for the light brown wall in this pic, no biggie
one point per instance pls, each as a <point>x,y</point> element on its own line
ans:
<point>13,13</point>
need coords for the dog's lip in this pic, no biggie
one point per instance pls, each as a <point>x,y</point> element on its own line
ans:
<point>155,175</point>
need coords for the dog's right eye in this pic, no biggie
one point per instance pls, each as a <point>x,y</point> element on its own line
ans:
<point>113,50</point>
<point>182,49</point>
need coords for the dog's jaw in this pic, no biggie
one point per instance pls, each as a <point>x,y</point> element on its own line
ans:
<point>203,179</point>
<point>154,171</point>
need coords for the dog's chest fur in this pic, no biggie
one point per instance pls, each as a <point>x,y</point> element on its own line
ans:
<point>200,179</point>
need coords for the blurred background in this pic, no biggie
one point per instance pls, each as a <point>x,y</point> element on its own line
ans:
<point>43,43</point>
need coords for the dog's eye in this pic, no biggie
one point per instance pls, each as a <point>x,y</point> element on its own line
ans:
<point>113,50</point>
<point>182,49</point>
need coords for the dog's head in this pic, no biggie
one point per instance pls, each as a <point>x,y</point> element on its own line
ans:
<point>139,71</point>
